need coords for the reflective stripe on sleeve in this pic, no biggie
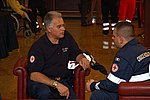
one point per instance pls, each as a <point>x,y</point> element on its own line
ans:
<point>141,77</point>
<point>115,79</point>
<point>96,86</point>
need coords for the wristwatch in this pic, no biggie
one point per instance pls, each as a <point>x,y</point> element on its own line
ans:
<point>55,84</point>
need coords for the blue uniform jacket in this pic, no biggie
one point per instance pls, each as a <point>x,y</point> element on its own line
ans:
<point>131,64</point>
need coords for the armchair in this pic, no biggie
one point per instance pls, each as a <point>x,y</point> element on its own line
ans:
<point>20,70</point>
<point>134,91</point>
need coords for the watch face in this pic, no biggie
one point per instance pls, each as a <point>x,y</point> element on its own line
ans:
<point>55,83</point>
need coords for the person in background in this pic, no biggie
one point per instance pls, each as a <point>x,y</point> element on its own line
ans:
<point>127,10</point>
<point>109,7</point>
<point>18,8</point>
<point>131,64</point>
<point>84,8</point>
<point>96,4</point>
<point>38,8</point>
<point>24,12</point>
<point>49,77</point>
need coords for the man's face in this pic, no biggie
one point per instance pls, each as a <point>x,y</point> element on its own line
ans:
<point>57,29</point>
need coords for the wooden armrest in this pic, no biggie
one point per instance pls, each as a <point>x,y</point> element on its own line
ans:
<point>20,66</point>
<point>20,71</point>
<point>79,83</point>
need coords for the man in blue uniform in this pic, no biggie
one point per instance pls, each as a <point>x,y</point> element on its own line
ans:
<point>131,64</point>
<point>49,77</point>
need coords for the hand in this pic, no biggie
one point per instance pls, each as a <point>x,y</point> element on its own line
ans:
<point>28,9</point>
<point>63,90</point>
<point>88,83</point>
<point>23,15</point>
<point>84,63</point>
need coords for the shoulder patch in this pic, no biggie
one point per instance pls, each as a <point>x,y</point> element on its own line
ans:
<point>143,56</point>
<point>32,59</point>
<point>114,68</point>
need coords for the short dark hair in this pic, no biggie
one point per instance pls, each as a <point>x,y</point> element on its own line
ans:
<point>125,29</point>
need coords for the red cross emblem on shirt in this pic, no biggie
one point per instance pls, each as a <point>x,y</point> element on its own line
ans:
<point>32,59</point>
<point>114,67</point>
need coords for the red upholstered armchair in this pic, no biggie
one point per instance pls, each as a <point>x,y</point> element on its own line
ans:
<point>134,91</point>
<point>20,71</point>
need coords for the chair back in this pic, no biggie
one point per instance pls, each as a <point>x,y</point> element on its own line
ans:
<point>20,70</point>
<point>134,90</point>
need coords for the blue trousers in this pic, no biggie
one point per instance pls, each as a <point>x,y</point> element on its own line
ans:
<point>44,92</point>
<point>103,95</point>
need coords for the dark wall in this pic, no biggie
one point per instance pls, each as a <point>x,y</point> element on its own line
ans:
<point>67,5</point>
<point>146,24</point>
<point>68,8</point>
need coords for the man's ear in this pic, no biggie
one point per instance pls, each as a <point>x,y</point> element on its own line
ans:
<point>121,39</point>
<point>48,29</point>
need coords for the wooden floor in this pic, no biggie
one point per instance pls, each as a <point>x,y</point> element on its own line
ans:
<point>89,39</point>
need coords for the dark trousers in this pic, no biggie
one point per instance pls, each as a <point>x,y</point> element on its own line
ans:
<point>103,95</point>
<point>109,7</point>
<point>26,22</point>
<point>84,8</point>
<point>38,5</point>
<point>43,92</point>
<point>96,4</point>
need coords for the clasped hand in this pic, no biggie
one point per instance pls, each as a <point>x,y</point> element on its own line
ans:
<point>84,63</point>
<point>63,90</point>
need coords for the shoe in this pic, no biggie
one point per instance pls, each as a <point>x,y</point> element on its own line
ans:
<point>99,23</point>
<point>36,31</point>
<point>105,32</point>
<point>85,24</point>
